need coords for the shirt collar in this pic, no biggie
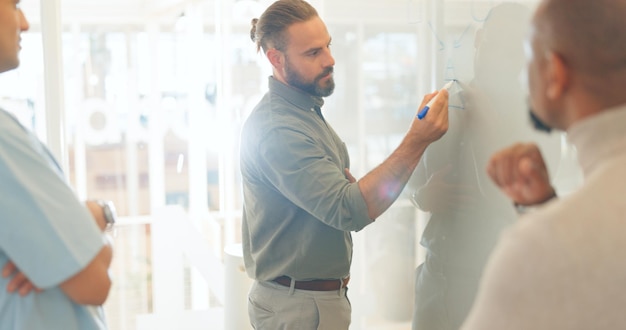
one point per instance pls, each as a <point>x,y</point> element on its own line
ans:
<point>295,96</point>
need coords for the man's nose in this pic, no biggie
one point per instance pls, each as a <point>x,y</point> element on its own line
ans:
<point>329,60</point>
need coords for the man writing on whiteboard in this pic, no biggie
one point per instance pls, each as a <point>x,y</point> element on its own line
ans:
<point>300,201</point>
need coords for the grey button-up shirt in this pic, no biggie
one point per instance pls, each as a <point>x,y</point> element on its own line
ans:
<point>299,207</point>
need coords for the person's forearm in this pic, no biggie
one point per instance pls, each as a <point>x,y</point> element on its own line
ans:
<point>96,211</point>
<point>92,284</point>
<point>382,186</point>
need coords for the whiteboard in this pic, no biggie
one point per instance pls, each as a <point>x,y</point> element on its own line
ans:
<point>482,45</point>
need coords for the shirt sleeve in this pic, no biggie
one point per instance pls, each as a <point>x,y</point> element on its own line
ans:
<point>46,231</point>
<point>304,172</point>
<point>517,287</point>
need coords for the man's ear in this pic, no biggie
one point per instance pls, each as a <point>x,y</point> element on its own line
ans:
<point>558,76</point>
<point>276,58</point>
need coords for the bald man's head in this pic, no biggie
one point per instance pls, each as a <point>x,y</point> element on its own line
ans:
<point>588,34</point>
<point>578,63</point>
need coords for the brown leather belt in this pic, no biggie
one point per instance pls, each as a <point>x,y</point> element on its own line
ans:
<point>314,285</point>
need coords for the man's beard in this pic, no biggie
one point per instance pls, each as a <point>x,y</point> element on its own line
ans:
<point>538,123</point>
<point>314,88</point>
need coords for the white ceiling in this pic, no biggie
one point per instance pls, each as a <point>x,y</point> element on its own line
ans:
<point>111,11</point>
<point>143,12</point>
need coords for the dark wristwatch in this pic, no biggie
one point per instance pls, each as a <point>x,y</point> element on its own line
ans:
<point>110,216</point>
<point>523,209</point>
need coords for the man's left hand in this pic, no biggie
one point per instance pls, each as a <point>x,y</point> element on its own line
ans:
<point>521,173</point>
<point>19,282</point>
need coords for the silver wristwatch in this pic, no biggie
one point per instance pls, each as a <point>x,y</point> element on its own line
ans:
<point>110,216</point>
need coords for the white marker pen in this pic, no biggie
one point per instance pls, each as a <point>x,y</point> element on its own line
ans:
<point>424,111</point>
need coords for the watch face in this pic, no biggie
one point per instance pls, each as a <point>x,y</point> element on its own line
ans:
<point>109,213</point>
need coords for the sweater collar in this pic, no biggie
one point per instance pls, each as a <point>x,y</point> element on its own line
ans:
<point>599,137</point>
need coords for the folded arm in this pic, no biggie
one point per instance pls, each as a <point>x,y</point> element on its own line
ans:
<point>90,286</point>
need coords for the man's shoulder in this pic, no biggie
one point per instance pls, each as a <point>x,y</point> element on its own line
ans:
<point>8,121</point>
<point>555,230</point>
<point>273,112</point>
<point>11,128</point>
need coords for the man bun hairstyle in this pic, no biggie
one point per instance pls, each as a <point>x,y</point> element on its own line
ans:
<point>268,31</point>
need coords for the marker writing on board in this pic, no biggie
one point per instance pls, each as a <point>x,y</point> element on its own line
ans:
<point>422,113</point>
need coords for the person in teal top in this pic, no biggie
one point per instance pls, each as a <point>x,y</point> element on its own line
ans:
<point>53,253</point>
